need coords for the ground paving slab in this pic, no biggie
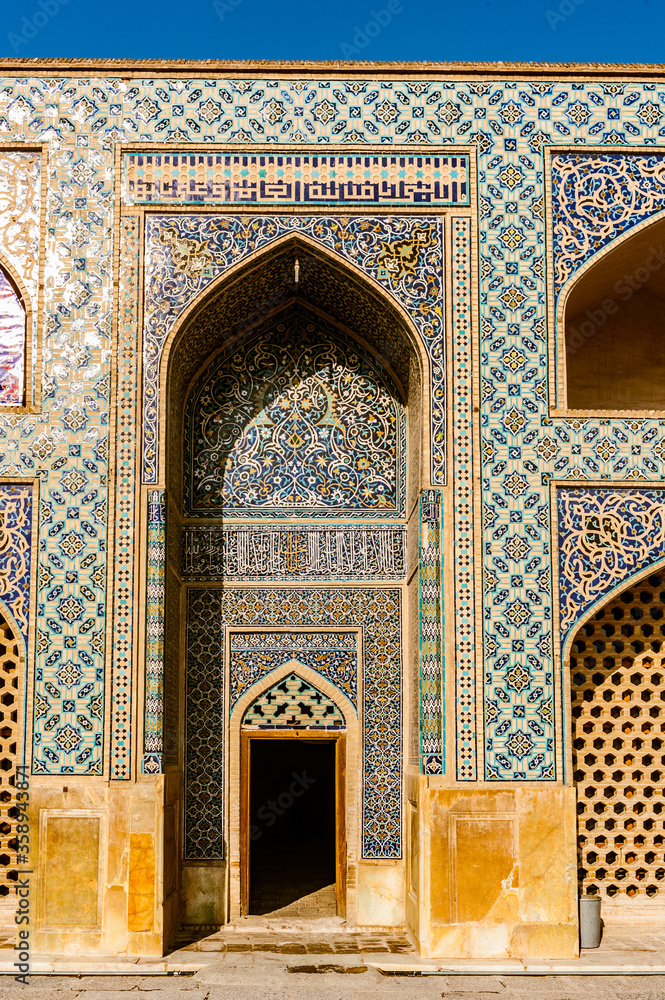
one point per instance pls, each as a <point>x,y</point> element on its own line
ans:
<point>331,962</point>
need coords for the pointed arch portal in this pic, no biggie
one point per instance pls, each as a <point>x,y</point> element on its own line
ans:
<point>292,408</point>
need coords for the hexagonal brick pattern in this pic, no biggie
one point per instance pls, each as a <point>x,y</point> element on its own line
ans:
<point>617,671</point>
<point>10,694</point>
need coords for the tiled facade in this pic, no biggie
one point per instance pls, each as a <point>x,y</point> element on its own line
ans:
<point>454,523</point>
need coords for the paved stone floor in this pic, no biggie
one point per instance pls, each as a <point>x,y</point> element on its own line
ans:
<point>325,939</point>
<point>257,977</point>
<point>252,963</point>
<point>322,903</point>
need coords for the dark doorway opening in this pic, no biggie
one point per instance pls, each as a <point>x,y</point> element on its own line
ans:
<point>292,827</point>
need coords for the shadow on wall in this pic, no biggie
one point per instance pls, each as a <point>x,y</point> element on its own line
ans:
<point>615,328</point>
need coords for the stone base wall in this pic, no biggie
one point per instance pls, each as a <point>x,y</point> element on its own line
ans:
<point>98,871</point>
<point>493,872</point>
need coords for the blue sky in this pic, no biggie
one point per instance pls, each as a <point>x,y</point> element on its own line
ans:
<point>525,30</point>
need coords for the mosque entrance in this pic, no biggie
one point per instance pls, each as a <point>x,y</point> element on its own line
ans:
<point>294,825</point>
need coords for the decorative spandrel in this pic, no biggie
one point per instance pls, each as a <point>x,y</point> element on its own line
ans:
<point>294,422</point>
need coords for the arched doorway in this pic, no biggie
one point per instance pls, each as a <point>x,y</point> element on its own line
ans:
<point>291,730</point>
<point>617,670</point>
<point>293,457</point>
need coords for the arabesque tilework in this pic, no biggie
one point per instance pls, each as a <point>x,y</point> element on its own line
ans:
<point>506,123</point>
<point>16,538</point>
<point>334,655</point>
<point>294,423</point>
<point>606,536</point>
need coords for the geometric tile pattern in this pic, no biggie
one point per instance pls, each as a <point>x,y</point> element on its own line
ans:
<point>293,423</point>
<point>377,612</point>
<point>154,653</point>
<point>430,605</point>
<point>185,253</point>
<point>605,537</point>
<point>293,703</point>
<point>294,552</point>
<point>463,460</point>
<point>508,122</point>
<point>295,179</point>
<point>617,673</point>
<point>204,726</point>
<point>126,526</point>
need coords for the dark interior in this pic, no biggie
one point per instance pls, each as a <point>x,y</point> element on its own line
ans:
<point>292,821</point>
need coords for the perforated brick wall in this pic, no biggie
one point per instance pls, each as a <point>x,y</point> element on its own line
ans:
<point>618,707</point>
<point>10,693</point>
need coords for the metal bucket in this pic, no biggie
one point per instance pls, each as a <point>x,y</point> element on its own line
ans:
<point>590,926</point>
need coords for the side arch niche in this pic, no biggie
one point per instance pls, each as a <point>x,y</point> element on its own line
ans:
<point>12,343</point>
<point>614,321</point>
<point>617,678</point>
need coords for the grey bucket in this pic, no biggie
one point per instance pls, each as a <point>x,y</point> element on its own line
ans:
<point>589,921</point>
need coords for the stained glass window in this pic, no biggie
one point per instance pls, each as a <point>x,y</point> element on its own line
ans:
<point>12,344</point>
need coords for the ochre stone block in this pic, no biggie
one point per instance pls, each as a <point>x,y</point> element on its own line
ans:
<point>501,873</point>
<point>484,860</point>
<point>545,941</point>
<point>71,865</point>
<point>141,902</point>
